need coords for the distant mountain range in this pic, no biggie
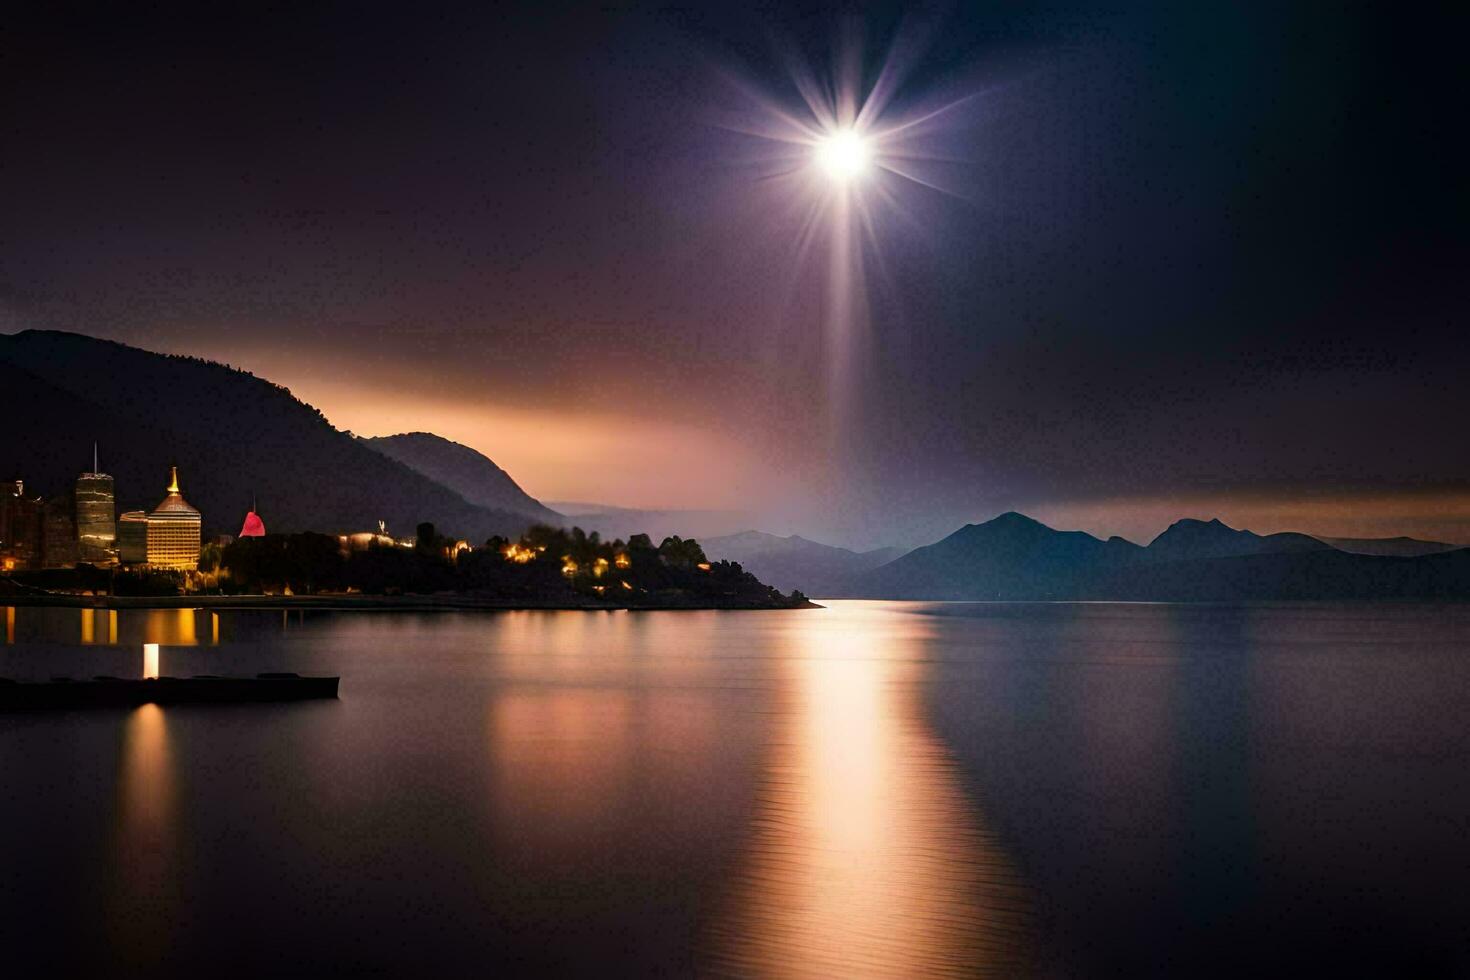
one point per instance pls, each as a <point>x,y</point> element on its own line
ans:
<point>1016,558</point>
<point>794,562</point>
<point>467,472</point>
<point>233,436</point>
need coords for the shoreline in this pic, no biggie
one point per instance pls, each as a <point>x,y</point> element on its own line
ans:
<point>408,603</point>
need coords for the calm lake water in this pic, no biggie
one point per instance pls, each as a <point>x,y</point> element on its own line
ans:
<point>871,789</point>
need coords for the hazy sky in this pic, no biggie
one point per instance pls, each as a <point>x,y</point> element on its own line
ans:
<point>1187,259</point>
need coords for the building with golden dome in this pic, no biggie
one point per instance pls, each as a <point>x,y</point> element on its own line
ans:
<point>173,530</point>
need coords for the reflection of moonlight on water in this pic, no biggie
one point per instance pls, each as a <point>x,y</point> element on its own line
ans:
<point>866,857</point>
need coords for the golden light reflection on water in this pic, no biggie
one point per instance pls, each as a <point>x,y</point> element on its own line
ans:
<point>867,859</point>
<point>563,757</point>
<point>145,789</point>
<point>98,626</point>
<point>172,626</point>
<point>144,882</point>
<point>571,746</point>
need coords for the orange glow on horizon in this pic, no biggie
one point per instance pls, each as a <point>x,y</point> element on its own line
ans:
<point>554,454</point>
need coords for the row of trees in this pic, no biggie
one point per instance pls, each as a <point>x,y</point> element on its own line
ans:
<point>545,564</point>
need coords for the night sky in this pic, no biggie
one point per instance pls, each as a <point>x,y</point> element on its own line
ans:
<point>1190,259</point>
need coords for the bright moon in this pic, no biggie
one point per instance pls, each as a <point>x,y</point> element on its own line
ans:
<point>843,155</point>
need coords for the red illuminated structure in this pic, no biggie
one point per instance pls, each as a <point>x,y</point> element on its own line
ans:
<point>254,527</point>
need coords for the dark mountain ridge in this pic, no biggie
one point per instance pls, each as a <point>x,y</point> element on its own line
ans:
<point>1016,558</point>
<point>467,472</point>
<point>1192,539</point>
<point>1009,556</point>
<point>232,435</point>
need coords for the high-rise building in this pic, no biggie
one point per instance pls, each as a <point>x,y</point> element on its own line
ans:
<point>20,527</point>
<point>132,537</point>
<point>173,530</point>
<point>59,533</point>
<point>95,510</point>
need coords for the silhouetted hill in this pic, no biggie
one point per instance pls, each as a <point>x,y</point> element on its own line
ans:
<point>1010,557</point>
<point>1013,557</point>
<point>231,434</point>
<point>1400,547</point>
<point>1191,539</point>
<point>795,562</point>
<point>467,472</point>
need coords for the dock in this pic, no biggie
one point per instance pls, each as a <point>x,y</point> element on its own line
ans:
<point>100,692</point>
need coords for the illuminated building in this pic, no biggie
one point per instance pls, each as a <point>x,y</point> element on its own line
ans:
<point>518,553</point>
<point>20,527</point>
<point>253,527</point>
<point>95,514</point>
<point>132,537</point>
<point>59,533</point>
<point>173,530</point>
<point>363,540</point>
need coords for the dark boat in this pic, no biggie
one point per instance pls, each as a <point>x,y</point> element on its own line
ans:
<point>63,692</point>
